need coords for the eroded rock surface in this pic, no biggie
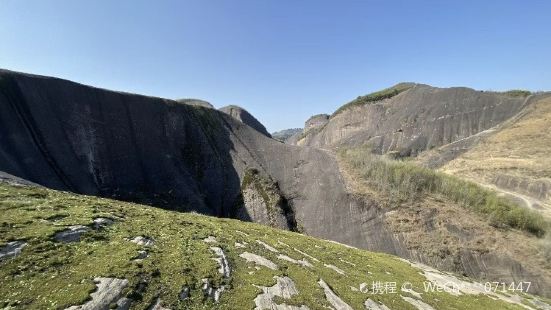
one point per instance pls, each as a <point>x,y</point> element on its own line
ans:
<point>303,262</point>
<point>72,234</point>
<point>224,266</point>
<point>109,291</point>
<point>373,305</point>
<point>416,120</point>
<point>284,288</point>
<point>12,249</point>
<point>420,305</point>
<point>158,305</point>
<point>263,202</point>
<point>332,298</point>
<point>97,142</point>
<point>211,291</point>
<point>102,222</point>
<point>335,268</point>
<point>243,116</point>
<point>259,260</point>
<point>267,246</point>
<point>143,241</point>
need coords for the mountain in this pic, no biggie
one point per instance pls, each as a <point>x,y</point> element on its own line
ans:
<point>182,157</point>
<point>497,139</point>
<point>66,251</point>
<point>242,115</point>
<point>511,157</point>
<point>284,134</point>
<point>411,118</point>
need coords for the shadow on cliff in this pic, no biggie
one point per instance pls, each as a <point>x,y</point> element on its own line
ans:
<point>72,137</point>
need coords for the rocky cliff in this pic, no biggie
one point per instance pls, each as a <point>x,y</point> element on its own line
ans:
<point>415,119</point>
<point>247,118</point>
<point>160,152</point>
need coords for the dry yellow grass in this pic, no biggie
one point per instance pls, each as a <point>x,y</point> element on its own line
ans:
<point>519,151</point>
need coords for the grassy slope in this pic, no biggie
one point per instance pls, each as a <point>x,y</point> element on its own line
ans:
<point>519,150</point>
<point>49,274</point>
<point>407,181</point>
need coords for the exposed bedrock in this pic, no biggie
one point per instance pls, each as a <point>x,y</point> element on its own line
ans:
<point>247,118</point>
<point>316,121</point>
<point>87,140</point>
<point>418,119</point>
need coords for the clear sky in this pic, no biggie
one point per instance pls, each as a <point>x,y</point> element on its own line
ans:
<point>283,60</point>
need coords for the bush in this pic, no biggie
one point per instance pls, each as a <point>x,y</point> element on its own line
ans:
<point>376,96</point>
<point>403,181</point>
<point>517,93</point>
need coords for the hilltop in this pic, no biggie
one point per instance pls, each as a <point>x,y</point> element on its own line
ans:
<point>86,252</point>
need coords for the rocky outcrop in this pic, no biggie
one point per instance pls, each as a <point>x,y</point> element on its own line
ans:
<point>285,134</point>
<point>416,120</point>
<point>109,291</point>
<point>247,118</point>
<point>284,288</point>
<point>196,102</point>
<point>72,137</point>
<point>13,180</point>
<point>72,234</point>
<point>263,202</point>
<point>258,260</point>
<point>316,121</point>
<point>12,249</point>
<point>333,298</point>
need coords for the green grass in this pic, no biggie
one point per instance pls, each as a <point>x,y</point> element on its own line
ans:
<point>376,96</point>
<point>52,275</point>
<point>405,181</point>
<point>517,93</point>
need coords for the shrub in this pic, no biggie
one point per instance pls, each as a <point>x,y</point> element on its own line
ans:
<point>376,96</point>
<point>403,181</point>
<point>517,93</point>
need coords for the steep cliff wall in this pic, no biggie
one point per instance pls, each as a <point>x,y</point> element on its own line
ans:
<point>247,118</point>
<point>77,138</point>
<point>416,120</point>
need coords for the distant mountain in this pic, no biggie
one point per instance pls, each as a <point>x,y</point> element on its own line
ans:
<point>284,134</point>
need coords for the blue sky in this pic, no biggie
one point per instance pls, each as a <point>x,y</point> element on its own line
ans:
<point>283,60</point>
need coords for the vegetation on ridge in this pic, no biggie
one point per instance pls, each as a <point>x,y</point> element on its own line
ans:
<point>405,181</point>
<point>376,96</point>
<point>517,93</point>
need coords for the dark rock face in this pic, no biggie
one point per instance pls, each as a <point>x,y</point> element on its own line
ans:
<point>416,120</point>
<point>72,137</point>
<point>68,136</point>
<point>245,117</point>
<point>263,202</point>
<point>196,102</point>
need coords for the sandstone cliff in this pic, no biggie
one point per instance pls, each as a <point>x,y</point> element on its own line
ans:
<point>414,120</point>
<point>242,115</point>
<point>86,140</point>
